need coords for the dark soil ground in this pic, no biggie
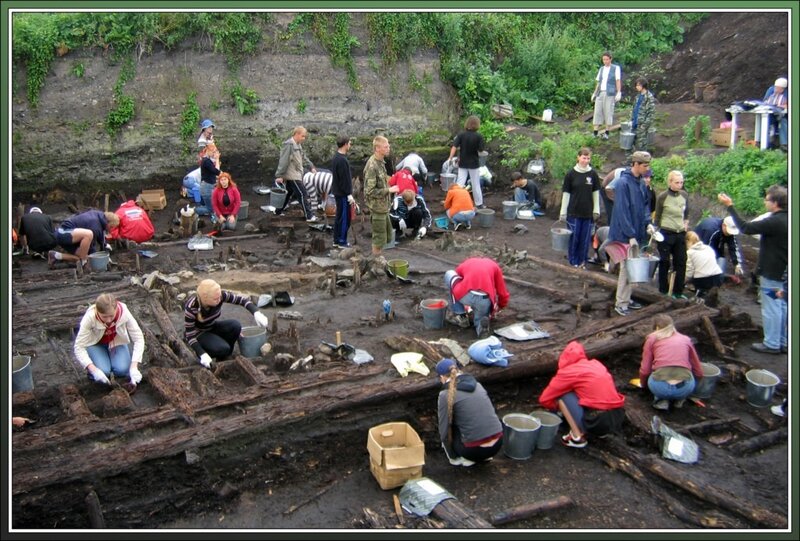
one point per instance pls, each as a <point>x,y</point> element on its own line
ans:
<point>314,473</point>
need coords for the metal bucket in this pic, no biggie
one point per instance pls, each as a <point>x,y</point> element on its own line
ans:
<point>251,339</point>
<point>277,196</point>
<point>433,312</point>
<point>549,430</point>
<point>485,217</point>
<point>510,210</point>
<point>638,269</point>
<point>520,432</point>
<point>431,178</point>
<point>482,155</point>
<point>560,238</point>
<point>21,377</point>
<point>446,180</point>
<point>626,140</point>
<point>760,387</point>
<point>98,261</point>
<point>705,387</point>
<point>244,209</point>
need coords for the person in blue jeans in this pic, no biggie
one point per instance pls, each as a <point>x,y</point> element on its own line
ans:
<point>670,365</point>
<point>580,206</point>
<point>478,283</point>
<point>778,97</point>
<point>526,192</point>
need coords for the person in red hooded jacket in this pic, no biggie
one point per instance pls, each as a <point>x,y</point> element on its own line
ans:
<point>583,391</point>
<point>134,223</point>
<point>404,180</point>
<point>479,284</point>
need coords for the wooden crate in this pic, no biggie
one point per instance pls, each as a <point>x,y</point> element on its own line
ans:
<point>721,137</point>
<point>152,199</point>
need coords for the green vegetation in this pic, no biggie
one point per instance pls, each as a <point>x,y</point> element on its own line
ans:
<point>78,69</point>
<point>190,120</point>
<point>245,99</point>
<point>125,107</point>
<point>697,131</point>
<point>302,105</point>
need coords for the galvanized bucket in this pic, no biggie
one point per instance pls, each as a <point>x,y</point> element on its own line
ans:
<point>760,387</point>
<point>626,140</point>
<point>560,237</point>
<point>446,180</point>
<point>705,387</point>
<point>520,432</point>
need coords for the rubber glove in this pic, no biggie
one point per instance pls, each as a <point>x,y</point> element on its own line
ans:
<point>402,225</point>
<point>593,97</point>
<point>618,96</point>
<point>351,200</point>
<point>596,216</point>
<point>562,217</point>
<point>98,376</point>
<point>633,242</point>
<point>651,229</point>
<point>135,375</point>
<point>261,319</point>
<point>422,231</point>
<point>26,250</point>
<point>737,270</point>
<point>108,247</point>
<point>205,360</point>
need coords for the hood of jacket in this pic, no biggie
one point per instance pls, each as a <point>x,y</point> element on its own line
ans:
<point>573,353</point>
<point>466,383</point>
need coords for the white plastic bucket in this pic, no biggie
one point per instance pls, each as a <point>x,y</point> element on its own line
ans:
<point>547,115</point>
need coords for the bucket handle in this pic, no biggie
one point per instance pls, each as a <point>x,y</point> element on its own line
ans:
<point>563,222</point>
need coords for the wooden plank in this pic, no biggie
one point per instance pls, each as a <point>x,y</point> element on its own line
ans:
<point>176,343</point>
<point>457,515</point>
<point>529,510</point>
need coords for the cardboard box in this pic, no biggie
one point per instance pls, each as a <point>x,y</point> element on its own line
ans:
<point>721,137</point>
<point>152,199</point>
<point>396,454</point>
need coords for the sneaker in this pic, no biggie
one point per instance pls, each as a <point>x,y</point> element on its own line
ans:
<point>312,220</point>
<point>459,320</point>
<point>678,404</point>
<point>469,225</point>
<point>458,226</point>
<point>604,135</point>
<point>51,259</point>
<point>778,410</point>
<point>662,405</point>
<point>569,441</point>
<point>633,305</point>
<point>621,310</point>
<point>761,348</point>
<point>461,461</point>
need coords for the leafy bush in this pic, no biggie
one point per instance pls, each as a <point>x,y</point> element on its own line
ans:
<point>690,131</point>
<point>245,99</point>
<point>190,120</point>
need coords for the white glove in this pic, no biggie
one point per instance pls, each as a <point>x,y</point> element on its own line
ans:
<point>261,319</point>
<point>422,231</point>
<point>351,200</point>
<point>618,96</point>
<point>205,360</point>
<point>402,225</point>
<point>593,97</point>
<point>633,242</point>
<point>562,217</point>
<point>651,229</point>
<point>135,375</point>
<point>26,250</point>
<point>737,270</point>
<point>99,376</point>
<point>108,247</point>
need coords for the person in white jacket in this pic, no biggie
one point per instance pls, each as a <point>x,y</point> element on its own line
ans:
<point>103,343</point>
<point>702,269</point>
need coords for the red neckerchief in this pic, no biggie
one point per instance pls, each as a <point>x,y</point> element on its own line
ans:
<point>111,328</point>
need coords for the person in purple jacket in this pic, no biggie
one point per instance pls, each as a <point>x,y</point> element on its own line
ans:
<point>79,234</point>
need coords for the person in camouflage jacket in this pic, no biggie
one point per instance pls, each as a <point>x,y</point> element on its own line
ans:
<point>644,113</point>
<point>377,194</point>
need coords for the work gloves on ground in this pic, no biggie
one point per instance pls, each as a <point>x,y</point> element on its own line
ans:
<point>97,375</point>
<point>351,200</point>
<point>261,320</point>
<point>618,96</point>
<point>421,233</point>
<point>135,375</point>
<point>738,271</point>
<point>205,360</point>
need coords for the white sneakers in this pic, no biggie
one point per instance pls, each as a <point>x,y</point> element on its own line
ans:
<point>461,461</point>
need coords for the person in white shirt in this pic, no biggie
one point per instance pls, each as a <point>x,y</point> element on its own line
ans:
<point>607,92</point>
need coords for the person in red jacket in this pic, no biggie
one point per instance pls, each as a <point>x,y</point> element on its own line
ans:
<point>479,284</point>
<point>404,180</point>
<point>583,391</point>
<point>226,202</point>
<point>134,223</point>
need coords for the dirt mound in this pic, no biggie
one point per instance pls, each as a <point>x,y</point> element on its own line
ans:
<point>738,54</point>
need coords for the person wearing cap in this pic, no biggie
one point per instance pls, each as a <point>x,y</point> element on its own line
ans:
<point>672,221</point>
<point>478,283</point>
<point>607,92</point>
<point>773,258</point>
<point>469,428</point>
<point>629,223</point>
<point>583,391</point>
<point>206,133</point>
<point>778,97</point>
<point>290,172</point>
<point>721,234</point>
<point>36,232</point>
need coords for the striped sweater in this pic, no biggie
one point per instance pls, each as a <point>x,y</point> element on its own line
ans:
<point>197,319</point>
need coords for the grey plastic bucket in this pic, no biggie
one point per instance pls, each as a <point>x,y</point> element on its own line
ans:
<point>760,387</point>
<point>520,432</point>
<point>433,312</point>
<point>638,269</point>
<point>549,430</point>
<point>446,180</point>
<point>98,261</point>
<point>510,210</point>
<point>21,377</point>
<point>705,387</point>
<point>560,238</point>
<point>485,217</point>
<point>244,208</point>
<point>277,196</point>
<point>626,140</point>
<point>251,339</point>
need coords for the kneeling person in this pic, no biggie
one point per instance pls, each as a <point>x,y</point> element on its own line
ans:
<point>410,215</point>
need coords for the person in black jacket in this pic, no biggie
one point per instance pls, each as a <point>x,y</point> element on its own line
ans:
<point>773,258</point>
<point>36,231</point>
<point>342,190</point>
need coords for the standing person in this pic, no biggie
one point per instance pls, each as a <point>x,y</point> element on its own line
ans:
<point>377,192</point>
<point>78,235</point>
<point>103,343</point>
<point>643,115</point>
<point>205,333</point>
<point>584,392</point>
<point>672,221</point>
<point>702,269</point>
<point>36,232</point>
<point>209,170</point>
<point>607,92</point>
<point>342,190</point>
<point>670,364</point>
<point>526,191</point>
<point>580,206</point>
<point>479,284</point>
<point>206,133</point>
<point>459,207</point>
<point>773,257</point>
<point>410,215</point>
<point>469,143</point>
<point>777,96</point>
<point>226,201</point>
<point>628,224</point>
<point>469,429</point>
<point>721,234</point>
<point>607,194</point>
<point>416,165</point>
<point>290,172</point>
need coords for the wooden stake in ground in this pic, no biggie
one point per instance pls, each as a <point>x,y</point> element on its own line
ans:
<point>105,203</point>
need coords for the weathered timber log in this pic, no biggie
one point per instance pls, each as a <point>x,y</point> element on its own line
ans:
<point>49,276</point>
<point>166,383</point>
<point>216,239</point>
<point>160,355</point>
<point>256,376</point>
<point>64,358</point>
<point>711,425</point>
<point>410,343</point>
<point>456,515</point>
<point>712,333</point>
<point>762,441</point>
<point>175,343</point>
<point>96,518</point>
<point>555,294</point>
<point>375,520</point>
<point>529,510</point>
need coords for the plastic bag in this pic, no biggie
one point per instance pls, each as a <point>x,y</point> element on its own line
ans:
<point>673,445</point>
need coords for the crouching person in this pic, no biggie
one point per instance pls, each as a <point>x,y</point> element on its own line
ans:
<point>468,425</point>
<point>583,391</point>
<point>103,343</point>
<point>410,215</point>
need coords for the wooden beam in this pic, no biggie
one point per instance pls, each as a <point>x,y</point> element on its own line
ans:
<point>528,510</point>
<point>177,344</point>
